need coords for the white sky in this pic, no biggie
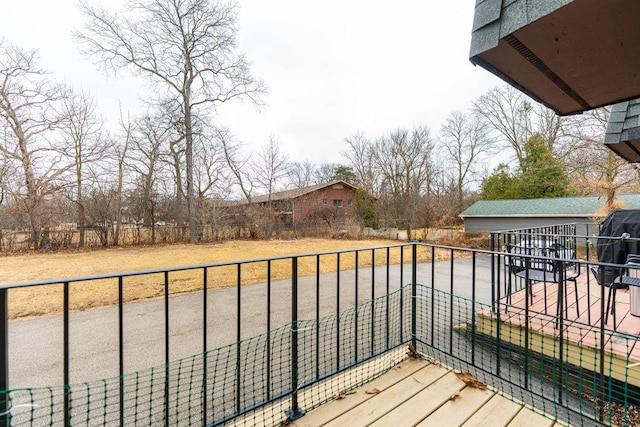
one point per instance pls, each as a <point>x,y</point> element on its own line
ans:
<point>332,67</point>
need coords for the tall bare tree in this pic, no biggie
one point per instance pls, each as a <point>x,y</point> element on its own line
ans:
<point>147,144</point>
<point>81,129</point>
<point>269,168</point>
<point>464,140</point>
<point>120,153</point>
<point>28,118</point>
<point>513,118</point>
<point>361,159</point>
<point>189,46</point>
<point>405,162</point>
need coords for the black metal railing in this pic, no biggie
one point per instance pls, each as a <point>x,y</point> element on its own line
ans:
<point>265,340</point>
<point>600,259</point>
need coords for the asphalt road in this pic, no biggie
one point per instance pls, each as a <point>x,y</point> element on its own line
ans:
<point>36,345</point>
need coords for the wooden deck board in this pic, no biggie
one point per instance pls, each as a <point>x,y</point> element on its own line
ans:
<point>428,400</point>
<point>422,397</point>
<point>526,417</point>
<point>326,413</point>
<point>497,412</point>
<point>378,406</point>
<point>458,410</point>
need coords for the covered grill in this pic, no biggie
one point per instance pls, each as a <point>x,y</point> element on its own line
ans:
<point>618,239</point>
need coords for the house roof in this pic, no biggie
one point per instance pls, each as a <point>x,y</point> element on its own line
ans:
<point>571,55</point>
<point>297,192</point>
<point>623,130</point>
<point>556,207</point>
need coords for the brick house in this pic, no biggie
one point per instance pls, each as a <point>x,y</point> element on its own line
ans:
<point>329,203</point>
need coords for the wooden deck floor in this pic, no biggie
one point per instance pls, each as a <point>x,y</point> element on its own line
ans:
<point>583,306</point>
<point>582,316</point>
<point>586,308</point>
<point>419,393</point>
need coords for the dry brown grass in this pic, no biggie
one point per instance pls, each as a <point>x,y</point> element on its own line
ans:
<point>37,301</point>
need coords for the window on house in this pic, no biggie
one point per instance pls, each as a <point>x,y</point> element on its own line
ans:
<point>350,202</point>
<point>337,203</point>
<point>324,201</point>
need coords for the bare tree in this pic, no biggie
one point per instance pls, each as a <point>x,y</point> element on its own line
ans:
<point>592,167</point>
<point>404,160</point>
<point>81,129</point>
<point>210,168</point>
<point>147,143</point>
<point>28,118</point>
<point>121,146</point>
<point>514,118</point>
<point>187,45</point>
<point>269,167</point>
<point>301,174</point>
<point>361,158</point>
<point>238,163</point>
<point>464,140</point>
<point>325,172</point>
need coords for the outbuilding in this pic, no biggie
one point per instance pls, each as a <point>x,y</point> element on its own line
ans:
<point>498,215</point>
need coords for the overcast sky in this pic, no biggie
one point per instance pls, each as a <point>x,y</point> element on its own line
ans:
<point>333,67</point>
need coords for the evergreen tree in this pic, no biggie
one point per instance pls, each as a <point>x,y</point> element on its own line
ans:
<point>364,209</point>
<point>501,185</point>
<point>540,175</point>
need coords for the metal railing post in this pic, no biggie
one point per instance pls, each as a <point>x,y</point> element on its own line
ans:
<point>65,355</point>
<point>493,274</point>
<point>295,411</point>
<point>5,414</point>
<point>414,279</point>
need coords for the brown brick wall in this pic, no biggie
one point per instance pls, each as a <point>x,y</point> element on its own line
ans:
<point>312,202</point>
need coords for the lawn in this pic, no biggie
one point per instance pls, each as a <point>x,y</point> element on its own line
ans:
<point>38,301</point>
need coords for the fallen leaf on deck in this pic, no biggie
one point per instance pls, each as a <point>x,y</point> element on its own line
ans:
<point>413,353</point>
<point>470,380</point>
<point>343,394</point>
<point>454,395</point>
<point>373,391</point>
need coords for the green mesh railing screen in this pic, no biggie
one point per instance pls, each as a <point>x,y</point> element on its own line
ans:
<point>534,358</point>
<point>540,360</point>
<point>218,385</point>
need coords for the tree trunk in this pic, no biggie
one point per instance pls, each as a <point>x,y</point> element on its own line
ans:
<point>81,228</point>
<point>191,199</point>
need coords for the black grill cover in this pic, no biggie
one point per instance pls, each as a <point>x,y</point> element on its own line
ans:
<point>615,251</point>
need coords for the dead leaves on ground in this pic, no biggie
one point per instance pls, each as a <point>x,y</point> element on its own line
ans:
<point>454,395</point>
<point>470,380</point>
<point>373,391</point>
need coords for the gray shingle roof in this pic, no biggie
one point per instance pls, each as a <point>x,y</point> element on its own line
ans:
<point>570,55</point>
<point>495,19</point>
<point>623,130</point>
<point>557,207</point>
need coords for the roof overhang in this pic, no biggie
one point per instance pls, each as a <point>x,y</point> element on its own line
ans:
<point>571,55</point>
<point>623,130</point>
